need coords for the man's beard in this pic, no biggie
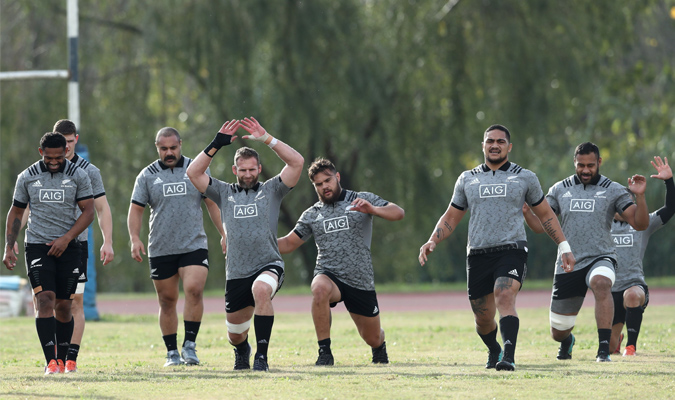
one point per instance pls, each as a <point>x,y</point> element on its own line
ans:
<point>333,199</point>
<point>245,185</point>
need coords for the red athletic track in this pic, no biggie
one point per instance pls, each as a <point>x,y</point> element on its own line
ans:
<point>387,302</point>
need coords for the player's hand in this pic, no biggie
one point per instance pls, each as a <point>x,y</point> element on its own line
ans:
<point>223,244</point>
<point>107,253</point>
<point>58,246</point>
<point>257,132</point>
<point>662,168</point>
<point>361,205</point>
<point>9,259</point>
<point>637,184</point>
<point>568,262</point>
<point>229,128</point>
<point>136,249</point>
<point>427,248</point>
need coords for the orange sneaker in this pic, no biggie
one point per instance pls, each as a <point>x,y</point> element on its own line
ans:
<point>629,351</point>
<point>618,347</point>
<point>52,368</point>
<point>62,368</point>
<point>71,366</point>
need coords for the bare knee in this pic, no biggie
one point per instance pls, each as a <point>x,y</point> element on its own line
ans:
<point>321,292</point>
<point>262,292</point>
<point>601,285</point>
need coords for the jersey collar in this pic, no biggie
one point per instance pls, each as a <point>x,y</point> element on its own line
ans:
<point>179,164</point>
<point>254,188</point>
<point>593,182</point>
<point>504,167</point>
<point>44,168</point>
<point>75,158</point>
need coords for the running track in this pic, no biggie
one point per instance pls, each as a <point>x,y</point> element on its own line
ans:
<point>439,301</point>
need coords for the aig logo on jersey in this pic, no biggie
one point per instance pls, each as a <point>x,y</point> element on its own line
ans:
<point>336,224</point>
<point>174,189</point>
<point>582,205</point>
<point>625,240</point>
<point>245,211</point>
<point>51,195</point>
<point>493,190</point>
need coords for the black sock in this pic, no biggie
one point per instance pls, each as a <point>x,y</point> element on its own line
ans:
<point>243,346</point>
<point>64,332</point>
<point>633,324</point>
<point>509,326</point>
<point>191,330</point>
<point>263,332</point>
<point>73,351</point>
<point>567,342</point>
<point>603,337</point>
<point>324,346</point>
<point>46,330</point>
<point>490,341</point>
<point>171,342</point>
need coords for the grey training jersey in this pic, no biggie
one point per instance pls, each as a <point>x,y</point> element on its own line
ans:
<point>96,185</point>
<point>250,217</point>
<point>630,250</point>
<point>53,199</point>
<point>495,201</point>
<point>586,216</point>
<point>342,237</point>
<point>176,217</point>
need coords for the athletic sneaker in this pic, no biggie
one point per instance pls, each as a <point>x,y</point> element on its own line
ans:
<point>565,352</point>
<point>494,358</point>
<point>506,365</point>
<point>172,358</point>
<point>603,357</point>
<point>380,354</point>
<point>62,366</point>
<point>324,359</point>
<point>189,354</point>
<point>618,347</point>
<point>241,361</point>
<point>260,363</point>
<point>629,351</point>
<point>52,368</point>
<point>71,366</point>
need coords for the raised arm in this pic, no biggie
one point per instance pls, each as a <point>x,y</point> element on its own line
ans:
<point>550,224</point>
<point>444,228</point>
<point>289,242</point>
<point>637,215</point>
<point>290,174</point>
<point>196,171</point>
<point>666,174</point>
<point>390,212</point>
<point>106,224</point>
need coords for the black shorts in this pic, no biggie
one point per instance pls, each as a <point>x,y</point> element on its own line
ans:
<point>482,270</point>
<point>53,274</point>
<point>574,284</point>
<point>238,293</point>
<point>620,309</point>
<point>84,258</point>
<point>164,267</point>
<point>357,301</point>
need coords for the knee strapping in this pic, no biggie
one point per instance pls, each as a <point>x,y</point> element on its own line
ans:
<point>562,322</point>
<point>265,278</point>
<point>238,328</point>
<point>603,271</point>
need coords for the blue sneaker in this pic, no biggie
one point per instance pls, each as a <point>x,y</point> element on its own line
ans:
<point>565,352</point>
<point>494,358</point>
<point>506,365</point>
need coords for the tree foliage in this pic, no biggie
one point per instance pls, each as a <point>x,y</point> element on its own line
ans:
<point>397,94</point>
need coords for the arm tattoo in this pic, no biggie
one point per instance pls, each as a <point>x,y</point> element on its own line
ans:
<point>440,234</point>
<point>478,306</point>
<point>550,230</point>
<point>13,232</point>
<point>447,225</point>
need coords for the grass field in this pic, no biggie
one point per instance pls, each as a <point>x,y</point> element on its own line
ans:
<point>433,355</point>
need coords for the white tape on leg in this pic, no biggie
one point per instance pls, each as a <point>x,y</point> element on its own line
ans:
<point>238,328</point>
<point>268,279</point>
<point>562,322</point>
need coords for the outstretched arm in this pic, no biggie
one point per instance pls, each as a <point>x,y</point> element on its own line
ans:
<point>444,228</point>
<point>196,171</point>
<point>390,212</point>
<point>666,174</point>
<point>290,174</point>
<point>550,224</point>
<point>289,243</point>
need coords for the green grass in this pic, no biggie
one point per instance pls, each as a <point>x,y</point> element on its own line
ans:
<point>434,355</point>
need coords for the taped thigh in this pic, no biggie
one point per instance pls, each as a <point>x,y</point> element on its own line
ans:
<point>238,328</point>
<point>562,322</point>
<point>601,270</point>
<point>268,279</point>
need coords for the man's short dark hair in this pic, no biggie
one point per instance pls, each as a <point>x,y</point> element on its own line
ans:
<point>587,148</point>
<point>246,152</point>
<point>320,165</point>
<point>52,140</point>
<point>499,128</point>
<point>166,132</point>
<point>65,127</point>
